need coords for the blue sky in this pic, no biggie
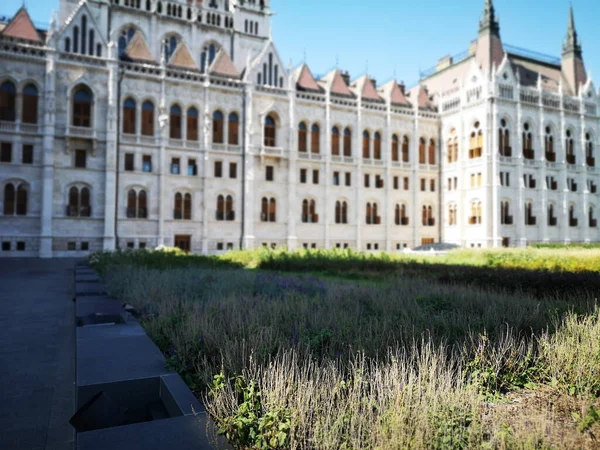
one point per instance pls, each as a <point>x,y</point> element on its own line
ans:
<point>403,36</point>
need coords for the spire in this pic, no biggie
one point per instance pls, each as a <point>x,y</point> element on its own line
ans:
<point>488,19</point>
<point>571,43</point>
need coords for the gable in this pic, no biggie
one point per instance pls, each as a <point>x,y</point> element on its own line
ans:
<point>81,34</point>
<point>182,58</point>
<point>223,66</point>
<point>21,27</point>
<point>268,68</point>
<point>305,80</point>
<point>337,85</point>
<point>137,49</point>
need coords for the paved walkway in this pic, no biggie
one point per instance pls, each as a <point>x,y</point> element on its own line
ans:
<point>37,354</point>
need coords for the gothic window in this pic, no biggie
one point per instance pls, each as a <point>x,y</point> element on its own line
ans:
<point>309,211</point>
<point>527,136</point>
<point>549,145</point>
<point>452,214</point>
<point>371,217</point>
<point>405,151</point>
<point>169,45</point>
<point>229,212</point>
<point>207,56</point>
<point>377,146</point>
<point>395,148</point>
<point>315,139</point>
<point>366,145</point>
<point>431,151</point>
<point>341,212</point>
<point>148,118</point>
<point>570,147</point>
<point>126,36</point>
<point>192,124</point>
<point>475,218</point>
<point>268,211</point>
<point>175,122</point>
<point>76,39</point>
<point>91,43</point>
<point>589,150</point>
<point>217,127</point>
<point>15,199</point>
<point>347,142</point>
<point>183,206</point>
<point>270,132</point>
<point>129,111</point>
<point>30,104</point>
<point>79,202</point>
<point>422,157</point>
<point>8,95</point>
<point>83,34</point>
<point>452,147</point>
<point>335,141</point>
<point>137,206</point>
<point>82,107</point>
<point>504,147</point>
<point>505,217</point>
<point>302,137</point>
<point>233,129</point>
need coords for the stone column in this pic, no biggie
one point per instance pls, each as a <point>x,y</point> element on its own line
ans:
<point>357,155</point>
<point>49,102</point>
<point>249,156</point>
<point>163,133</point>
<point>414,182</point>
<point>386,156</point>
<point>206,203</point>
<point>292,205</point>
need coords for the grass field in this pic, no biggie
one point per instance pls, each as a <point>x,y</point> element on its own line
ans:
<point>340,350</point>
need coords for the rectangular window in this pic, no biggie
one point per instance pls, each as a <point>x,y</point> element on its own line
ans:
<point>315,176</point>
<point>80,159</point>
<point>20,246</point>
<point>230,246</point>
<point>406,184</point>
<point>27,156</point>
<point>378,181</point>
<point>130,244</point>
<point>455,183</point>
<point>449,184</point>
<point>175,167</point>
<point>129,162</point>
<point>6,246</point>
<point>142,245</point>
<point>336,178</point>
<point>232,170</point>
<point>396,183</point>
<point>423,184</point>
<point>218,169</point>
<point>367,180</point>
<point>269,175</point>
<point>85,245</point>
<point>432,185</point>
<point>313,245</point>
<point>368,246</point>
<point>302,175</point>
<point>375,246</point>
<point>348,179</point>
<point>71,246</point>
<point>192,168</point>
<point>219,246</point>
<point>147,163</point>
<point>472,180</point>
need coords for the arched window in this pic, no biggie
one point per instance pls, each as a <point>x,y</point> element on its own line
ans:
<point>371,214</point>
<point>126,36</point>
<point>431,151</point>
<point>422,144</point>
<point>76,39</point>
<point>30,104</point>
<point>397,215</point>
<point>270,132</point>
<point>8,94</point>
<point>475,218</point>
<point>91,43</point>
<point>83,34</point>
<point>137,204</point>
<point>504,147</point>
<point>178,210</point>
<point>169,45</point>
<point>9,199</point>
<point>570,147</point>
<point>424,216</point>
<point>82,107</point>
<point>592,221</point>
<point>79,202</point>
<point>347,142</point>
<point>341,212</point>
<point>268,210</point>
<point>529,217</point>
<point>233,129</point>
<point>175,122</point>
<point>129,110</point>
<point>405,151</point>
<point>15,199</point>
<point>589,150</point>
<point>302,137</point>
<point>335,141</point>
<point>68,44</point>
<point>451,214</point>
<point>395,148</point>
<point>552,221</point>
<point>366,145</point>
<point>505,217</point>
<point>315,141</point>
<point>229,212</point>
<point>208,56</point>
<point>131,203</point>
<point>187,207</point>
<point>272,210</point>
<point>192,124</point>
<point>528,152</point>
<point>377,146</point>
<point>573,222</point>
<point>220,207</point>
<point>217,127</point>
<point>549,145</point>
<point>148,118</point>
<point>309,211</point>
<point>452,147</point>
<point>142,205</point>
<point>304,211</point>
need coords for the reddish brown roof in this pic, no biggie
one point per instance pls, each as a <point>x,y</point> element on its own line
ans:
<point>305,80</point>
<point>22,27</point>
<point>337,83</point>
<point>424,102</point>
<point>396,93</point>
<point>366,89</point>
<point>182,58</point>
<point>138,49</point>
<point>222,65</point>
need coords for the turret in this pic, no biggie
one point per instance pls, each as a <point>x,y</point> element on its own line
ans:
<point>489,51</point>
<point>573,69</point>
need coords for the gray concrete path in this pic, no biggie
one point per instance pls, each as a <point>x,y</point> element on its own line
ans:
<point>37,354</point>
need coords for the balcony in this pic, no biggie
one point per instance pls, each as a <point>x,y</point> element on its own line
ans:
<point>508,220</point>
<point>593,223</point>
<point>404,221</point>
<point>531,220</point>
<point>81,132</point>
<point>6,125</point>
<point>590,162</point>
<point>528,153</point>
<point>431,222</point>
<point>551,156</point>
<point>552,221</point>
<point>571,159</point>
<point>507,152</point>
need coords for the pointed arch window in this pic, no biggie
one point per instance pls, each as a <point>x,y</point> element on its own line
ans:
<point>82,107</point>
<point>315,138</point>
<point>335,141</point>
<point>341,212</point>
<point>452,214</point>
<point>8,95</point>
<point>377,146</point>
<point>573,222</point>
<point>15,199</point>
<point>175,122</point>
<point>422,144</point>
<point>217,127</point>
<point>126,36</point>
<point>504,147</point>
<point>302,137</point>
<point>30,104</point>
<point>347,142</point>
<point>233,129</point>
<point>432,151</point>
<point>395,148</point>
<point>528,152</point>
<point>270,132</point>
<point>268,212</point>
<point>129,112</point>
<point>229,212</point>
<point>552,220</point>
<point>79,202</point>
<point>220,207</point>
<point>505,217</point>
<point>169,45</point>
<point>187,206</point>
<point>76,39</point>
<point>405,150</point>
<point>371,214</point>
<point>137,204</point>
<point>309,211</point>
<point>192,124</point>
<point>183,206</point>
<point>592,221</point>
<point>208,56</point>
<point>570,147</point>
<point>427,219</point>
<point>83,34</point>
<point>366,145</point>
<point>549,145</point>
<point>453,147</point>
<point>148,118</point>
<point>178,210</point>
<point>589,151</point>
<point>475,218</point>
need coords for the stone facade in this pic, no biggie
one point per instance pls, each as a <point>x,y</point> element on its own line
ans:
<point>174,93</point>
